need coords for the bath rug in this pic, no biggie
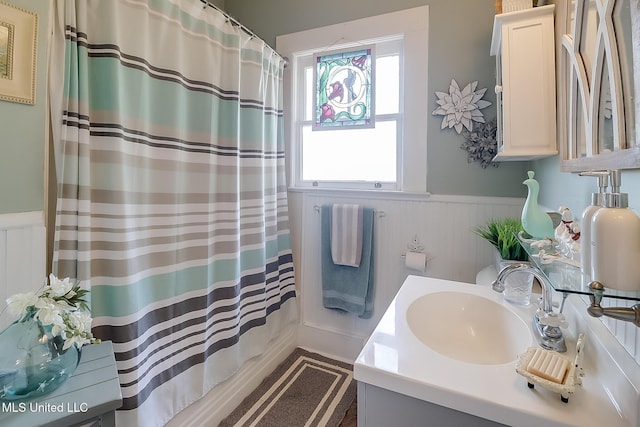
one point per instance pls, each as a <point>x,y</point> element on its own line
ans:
<point>305,389</point>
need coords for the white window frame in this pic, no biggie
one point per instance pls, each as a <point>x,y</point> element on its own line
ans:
<point>411,26</point>
<point>303,60</point>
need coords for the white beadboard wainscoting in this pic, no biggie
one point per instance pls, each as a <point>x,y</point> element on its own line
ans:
<point>442,224</point>
<point>22,256</point>
<point>626,333</point>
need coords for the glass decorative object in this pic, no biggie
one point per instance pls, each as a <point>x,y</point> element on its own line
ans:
<point>535,221</point>
<point>32,360</point>
<point>344,89</point>
<point>518,286</point>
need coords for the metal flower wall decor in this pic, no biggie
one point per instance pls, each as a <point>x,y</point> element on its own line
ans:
<point>480,144</point>
<point>461,108</point>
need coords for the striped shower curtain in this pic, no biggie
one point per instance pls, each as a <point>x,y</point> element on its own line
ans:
<point>172,209</point>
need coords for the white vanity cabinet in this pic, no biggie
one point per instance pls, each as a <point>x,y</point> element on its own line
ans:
<point>378,407</point>
<point>402,381</point>
<point>523,44</point>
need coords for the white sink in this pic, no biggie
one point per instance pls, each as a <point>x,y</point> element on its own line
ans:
<point>468,327</point>
<point>446,343</point>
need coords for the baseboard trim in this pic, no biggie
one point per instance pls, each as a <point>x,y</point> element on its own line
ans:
<point>337,345</point>
<point>330,330</point>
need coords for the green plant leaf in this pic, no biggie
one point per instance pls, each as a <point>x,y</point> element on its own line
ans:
<point>502,234</point>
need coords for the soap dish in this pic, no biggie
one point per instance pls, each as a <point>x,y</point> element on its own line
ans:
<point>571,379</point>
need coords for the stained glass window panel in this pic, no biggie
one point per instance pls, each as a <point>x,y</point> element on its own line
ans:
<point>344,93</point>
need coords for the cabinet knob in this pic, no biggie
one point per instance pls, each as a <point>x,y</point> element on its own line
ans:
<point>498,89</point>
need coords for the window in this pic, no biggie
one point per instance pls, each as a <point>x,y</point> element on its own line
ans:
<point>343,89</point>
<point>391,156</point>
<point>354,158</point>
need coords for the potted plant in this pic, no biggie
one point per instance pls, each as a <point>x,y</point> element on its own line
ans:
<point>502,234</point>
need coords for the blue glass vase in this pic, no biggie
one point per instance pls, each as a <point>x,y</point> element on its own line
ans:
<point>32,360</point>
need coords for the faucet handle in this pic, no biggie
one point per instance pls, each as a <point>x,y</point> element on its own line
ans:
<point>551,319</point>
<point>497,286</point>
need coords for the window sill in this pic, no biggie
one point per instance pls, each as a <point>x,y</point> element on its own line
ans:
<point>381,193</point>
<point>407,196</point>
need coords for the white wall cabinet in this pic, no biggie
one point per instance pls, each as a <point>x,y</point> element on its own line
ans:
<point>523,44</point>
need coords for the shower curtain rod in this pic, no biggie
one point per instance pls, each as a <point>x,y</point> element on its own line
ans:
<point>247,30</point>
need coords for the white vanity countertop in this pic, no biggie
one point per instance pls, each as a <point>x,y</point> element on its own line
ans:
<point>394,359</point>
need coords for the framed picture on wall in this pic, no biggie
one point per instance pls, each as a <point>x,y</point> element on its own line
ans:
<point>18,43</point>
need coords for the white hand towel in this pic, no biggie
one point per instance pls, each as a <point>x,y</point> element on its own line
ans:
<point>346,234</point>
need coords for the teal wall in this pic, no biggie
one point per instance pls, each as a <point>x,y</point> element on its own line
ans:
<point>458,49</point>
<point>22,145</point>
<point>568,189</point>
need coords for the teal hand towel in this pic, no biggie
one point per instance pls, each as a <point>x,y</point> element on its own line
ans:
<point>343,287</point>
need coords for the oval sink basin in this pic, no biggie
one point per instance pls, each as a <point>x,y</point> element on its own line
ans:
<point>468,328</point>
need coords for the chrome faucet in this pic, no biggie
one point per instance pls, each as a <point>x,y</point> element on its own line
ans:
<point>546,322</point>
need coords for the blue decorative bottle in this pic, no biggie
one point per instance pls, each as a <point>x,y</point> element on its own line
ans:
<point>535,221</point>
<point>32,360</point>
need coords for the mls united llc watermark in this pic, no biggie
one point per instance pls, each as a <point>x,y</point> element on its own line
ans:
<point>44,407</point>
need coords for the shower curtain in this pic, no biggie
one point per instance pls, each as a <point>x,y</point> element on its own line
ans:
<point>168,133</point>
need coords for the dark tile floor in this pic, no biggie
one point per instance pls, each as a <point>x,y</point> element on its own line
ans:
<point>351,417</point>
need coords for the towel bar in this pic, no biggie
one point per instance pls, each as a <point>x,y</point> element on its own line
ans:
<point>379,214</point>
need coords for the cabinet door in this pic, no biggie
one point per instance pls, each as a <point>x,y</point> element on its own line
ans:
<point>378,407</point>
<point>526,83</point>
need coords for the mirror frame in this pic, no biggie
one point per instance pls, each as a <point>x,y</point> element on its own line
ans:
<point>628,158</point>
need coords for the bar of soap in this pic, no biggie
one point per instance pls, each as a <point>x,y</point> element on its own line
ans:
<point>548,365</point>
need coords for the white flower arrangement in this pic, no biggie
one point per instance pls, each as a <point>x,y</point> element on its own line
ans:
<point>61,305</point>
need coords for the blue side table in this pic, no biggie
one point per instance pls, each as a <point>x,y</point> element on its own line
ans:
<point>90,396</point>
